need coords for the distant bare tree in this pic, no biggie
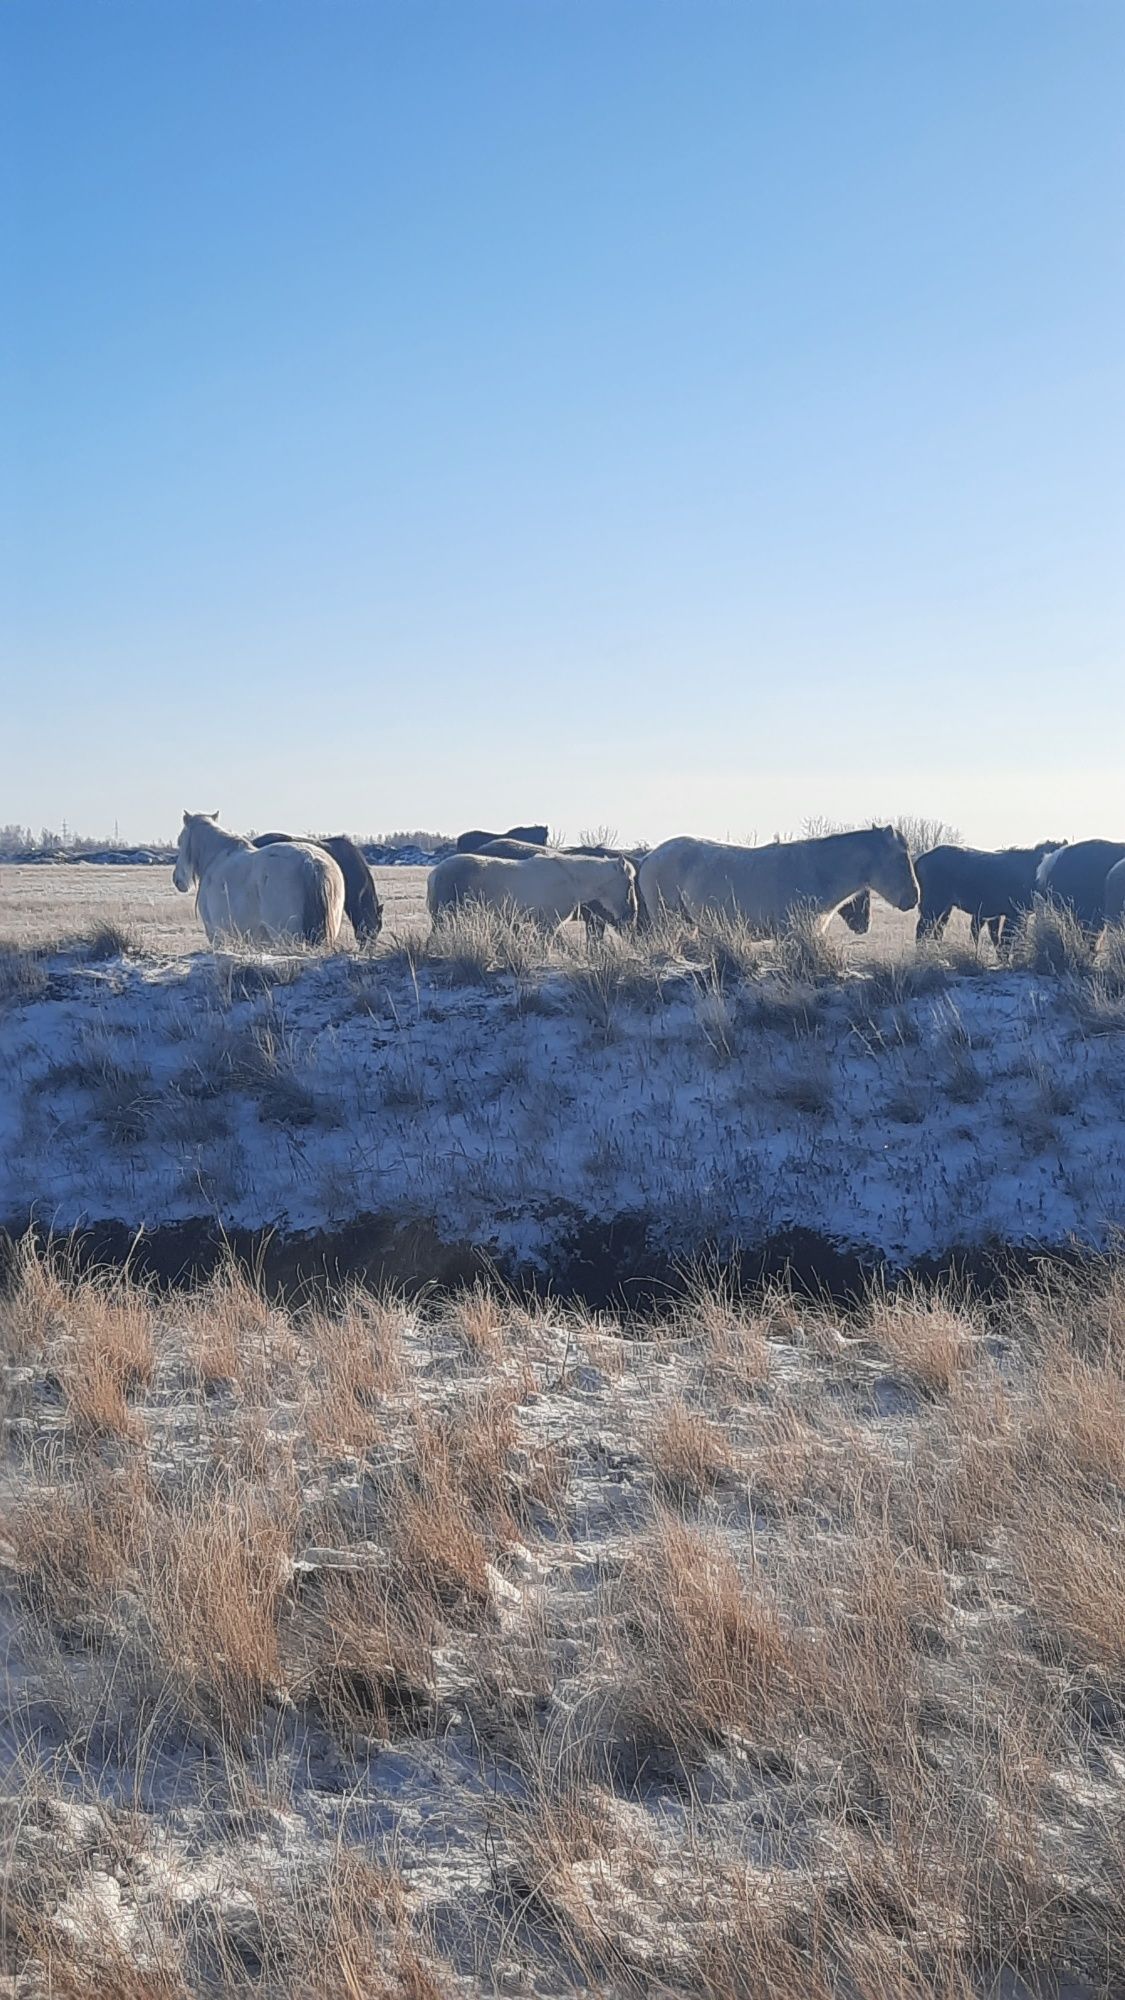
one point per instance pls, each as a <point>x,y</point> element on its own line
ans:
<point>920,834</point>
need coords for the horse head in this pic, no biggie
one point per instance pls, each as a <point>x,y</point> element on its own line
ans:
<point>857,913</point>
<point>892,871</point>
<point>186,871</point>
<point>617,904</point>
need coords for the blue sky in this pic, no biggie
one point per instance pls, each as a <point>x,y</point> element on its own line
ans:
<point>682,417</point>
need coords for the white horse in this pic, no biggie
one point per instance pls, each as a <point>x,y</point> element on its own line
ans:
<point>290,893</point>
<point>768,886</point>
<point>547,886</point>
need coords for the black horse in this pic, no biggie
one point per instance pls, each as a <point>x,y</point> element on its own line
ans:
<point>361,900</point>
<point>477,841</point>
<point>1076,879</point>
<point>994,888</point>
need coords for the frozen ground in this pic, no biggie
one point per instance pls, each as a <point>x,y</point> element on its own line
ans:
<point>42,902</point>
<point>903,1109</point>
<point>400,1649</point>
<point>392,1652</point>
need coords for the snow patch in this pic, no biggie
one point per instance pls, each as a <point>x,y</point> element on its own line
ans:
<point>506,1115</point>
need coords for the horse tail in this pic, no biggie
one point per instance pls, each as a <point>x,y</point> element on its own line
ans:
<point>1044,872</point>
<point>320,916</point>
<point>361,898</point>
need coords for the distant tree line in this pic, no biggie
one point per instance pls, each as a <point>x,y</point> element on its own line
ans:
<point>18,841</point>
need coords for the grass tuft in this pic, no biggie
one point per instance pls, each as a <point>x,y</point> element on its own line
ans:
<point>1051,941</point>
<point>929,1338</point>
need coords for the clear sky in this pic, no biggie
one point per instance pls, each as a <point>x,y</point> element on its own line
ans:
<point>685,417</point>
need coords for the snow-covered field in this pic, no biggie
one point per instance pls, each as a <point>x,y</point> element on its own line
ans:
<point>901,1109</point>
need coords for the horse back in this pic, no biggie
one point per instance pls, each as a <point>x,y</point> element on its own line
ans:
<point>986,882</point>
<point>478,839</point>
<point>1077,876</point>
<point>507,849</point>
<point>690,876</point>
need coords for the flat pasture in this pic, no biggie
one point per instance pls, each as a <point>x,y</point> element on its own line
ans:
<point>43,902</point>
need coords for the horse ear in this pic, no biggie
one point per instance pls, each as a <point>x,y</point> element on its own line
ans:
<point>187,816</point>
<point>213,815</point>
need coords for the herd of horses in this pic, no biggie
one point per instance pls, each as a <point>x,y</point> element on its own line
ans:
<point>277,889</point>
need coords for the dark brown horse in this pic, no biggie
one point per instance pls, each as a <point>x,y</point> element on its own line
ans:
<point>1076,879</point>
<point>476,841</point>
<point>361,900</point>
<point>995,889</point>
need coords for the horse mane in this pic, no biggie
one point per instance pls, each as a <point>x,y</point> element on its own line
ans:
<point>195,825</point>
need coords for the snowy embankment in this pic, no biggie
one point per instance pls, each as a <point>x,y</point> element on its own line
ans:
<point>900,1114</point>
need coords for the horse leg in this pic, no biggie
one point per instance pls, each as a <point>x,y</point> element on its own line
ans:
<point>977,924</point>
<point>594,922</point>
<point>931,923</point>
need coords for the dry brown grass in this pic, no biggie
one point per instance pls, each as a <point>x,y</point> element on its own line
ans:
<point>356,1368</point>
<point>708,1646</point>
<point>104,1354</point>
<point>928,1338</point>
<point>366,1653</point>
<point>475,1316</point>
<point>1051,940</point>
<point>766,1647</point>
<point>32,1308</point>
<point>689,1453</point>
<point>75,1540</point>
<point>732,1332</point>
<point>213,1573</point>
<point>1070,1558</point>
<point>1077,1430</point>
